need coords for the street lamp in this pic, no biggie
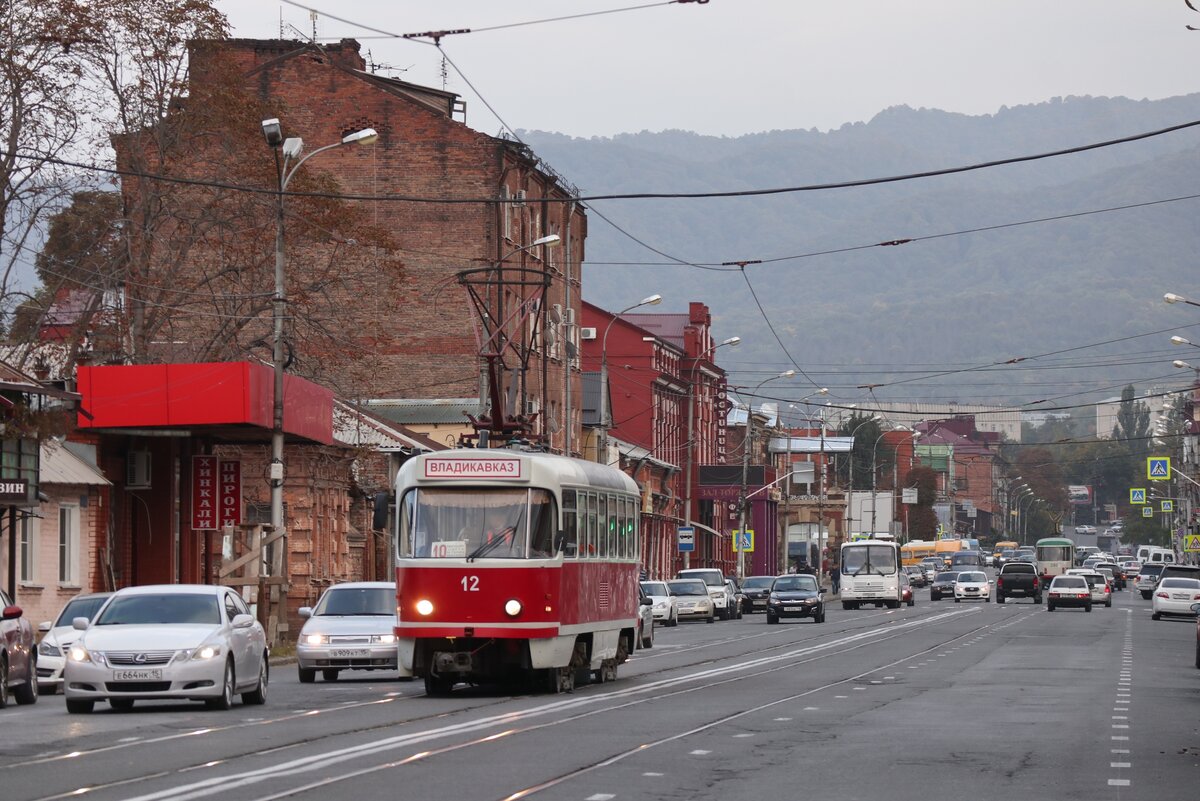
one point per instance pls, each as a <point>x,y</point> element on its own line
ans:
<point>747,444</point>
<point>290,149</point>
<point>850,518</point>
<point>1022,517</point>
<point>1171,297</point>
<point>605,422</point>
<point>691,425</point>
<point>874,470</point>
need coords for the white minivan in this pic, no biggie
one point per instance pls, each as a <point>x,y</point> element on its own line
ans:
<point>1149,554</point>
<point>715,581</point>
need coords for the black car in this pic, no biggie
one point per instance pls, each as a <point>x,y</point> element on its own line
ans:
<point>757,588</point>
<point>795,595</point>
<point>943,584</point>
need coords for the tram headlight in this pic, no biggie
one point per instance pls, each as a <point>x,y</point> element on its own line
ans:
<point>425,607</point>
<point>512,607</point>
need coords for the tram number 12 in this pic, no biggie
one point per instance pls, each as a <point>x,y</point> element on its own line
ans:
<point>470,583</point>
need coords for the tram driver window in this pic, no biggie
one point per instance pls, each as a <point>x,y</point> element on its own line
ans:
<point>542,524</point>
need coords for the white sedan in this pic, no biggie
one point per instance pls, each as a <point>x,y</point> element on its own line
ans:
<point>168,642</point>
<point>59,636</point>
<point>972,585</point>
<point>352,627</point>
<point>1175,596</point>
<point>665,609</point>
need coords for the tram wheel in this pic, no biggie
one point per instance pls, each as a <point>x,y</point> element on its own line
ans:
<point>438,685</point>
<point>560,680</point>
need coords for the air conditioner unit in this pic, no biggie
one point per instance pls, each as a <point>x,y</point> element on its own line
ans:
<point>587,333</point>
<point>137,470</point>
<point>518,198</point>
<point>569,316</point>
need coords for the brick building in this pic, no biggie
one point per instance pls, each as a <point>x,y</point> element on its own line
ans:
<point>666,399</point>
<point>374,307</point>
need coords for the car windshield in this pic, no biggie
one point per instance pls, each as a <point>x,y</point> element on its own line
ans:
<point>1179,583</point>
<point>946,576</point>
<point>151,609</point>
<point>794,584</point>
<point>690,587</point>
<point>972,577</point>
<point>758,582</point>
<point>712,578</point>
<point>1151,570</point>
<point>80,607</point>
<point>357,601</point>
<point>1074,582</point>
<point>655,588</point>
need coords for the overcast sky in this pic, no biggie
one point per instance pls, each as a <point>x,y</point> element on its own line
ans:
<point>729,67</point>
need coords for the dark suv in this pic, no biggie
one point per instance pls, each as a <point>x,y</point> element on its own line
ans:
<point>18,655</point>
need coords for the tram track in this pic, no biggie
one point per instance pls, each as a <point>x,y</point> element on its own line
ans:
<point>862,622</point>
<point>653,686</point>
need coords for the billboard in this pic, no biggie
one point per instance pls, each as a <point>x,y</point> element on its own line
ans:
<point>1079,494</point>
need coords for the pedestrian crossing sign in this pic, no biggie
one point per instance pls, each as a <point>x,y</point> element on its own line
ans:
<point>1158,468</point>
<point>1137,495</point>
<point>1191,543</point>
<point>1147,511</point>
<point>743,541</point>
<point>1167,506</point>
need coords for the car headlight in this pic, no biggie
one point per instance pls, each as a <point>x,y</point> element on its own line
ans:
<point>80,654</point>
<point>773,598</point>
<point>425,607</point>
<point>386,639</point>
<point>315,639</point>
<point>512,607</point>
<point>48,648</point>
<point>203,653</point>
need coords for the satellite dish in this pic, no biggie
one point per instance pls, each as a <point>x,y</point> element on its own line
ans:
<point>549,337</point>
<point>555,313</point>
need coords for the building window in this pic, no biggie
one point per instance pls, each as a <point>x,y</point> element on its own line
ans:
<point>28,549</point>
<point>68,544</point>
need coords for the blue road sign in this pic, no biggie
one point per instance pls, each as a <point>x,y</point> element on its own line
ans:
<point>1158,468</point>
<point>686,538</point>
<point>1137,494</point>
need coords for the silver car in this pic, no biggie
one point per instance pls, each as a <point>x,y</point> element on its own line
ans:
<point>692,599</point>
<point>168,642</point>
<point>58,637</point>
<point>352,627</point>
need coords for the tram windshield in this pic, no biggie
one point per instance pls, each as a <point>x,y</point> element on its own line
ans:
<point>469,523</point>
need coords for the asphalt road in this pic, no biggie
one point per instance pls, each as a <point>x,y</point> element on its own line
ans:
<point>940,700</point>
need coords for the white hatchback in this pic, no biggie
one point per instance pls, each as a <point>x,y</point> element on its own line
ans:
<point>58,637</point>
<point>168,642</point>
<point>665,609</point>
<point>1175,596</point>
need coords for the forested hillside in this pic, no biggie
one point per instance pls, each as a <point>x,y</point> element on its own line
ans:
<point>956,299</point>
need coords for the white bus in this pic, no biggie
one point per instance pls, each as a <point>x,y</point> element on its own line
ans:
<point>870,574</point>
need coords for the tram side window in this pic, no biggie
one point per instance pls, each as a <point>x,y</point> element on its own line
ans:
<point>620,514</point>
<point>590,527</point>
<point>633,542</point>
<point>605,549</point>
<point>570,529</point>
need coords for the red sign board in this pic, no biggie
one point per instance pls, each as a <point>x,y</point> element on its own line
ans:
<point>216,493</point>
<point>229,493</point>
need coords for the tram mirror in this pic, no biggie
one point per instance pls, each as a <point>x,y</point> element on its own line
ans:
<point>379,517</point>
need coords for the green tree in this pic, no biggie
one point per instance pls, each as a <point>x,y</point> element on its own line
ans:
<point>866,431</point>
<point>1133,422</point>
<point>922,520</point>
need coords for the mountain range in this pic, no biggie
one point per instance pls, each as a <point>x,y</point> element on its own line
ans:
<point>987,277</point>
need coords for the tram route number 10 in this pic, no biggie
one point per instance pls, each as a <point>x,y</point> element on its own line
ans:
<point>470,583</point>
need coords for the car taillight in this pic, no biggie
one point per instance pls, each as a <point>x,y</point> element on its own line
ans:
<point>1161,595</point>
<point>1107,588</point>
<point>999,582</point>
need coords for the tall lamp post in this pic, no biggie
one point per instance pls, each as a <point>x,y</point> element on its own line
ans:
<point>747,444</point>
<point>691,425</point>
<point>875,471</point>
<point>1022,516</point>
<point>605,422</point>
<point>286,151</point>
<point>872,419</point>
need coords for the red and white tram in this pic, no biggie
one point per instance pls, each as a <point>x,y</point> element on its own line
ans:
<point>514,565</point>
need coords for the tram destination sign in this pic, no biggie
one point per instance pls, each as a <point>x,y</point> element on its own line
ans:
<point>449,467</point>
